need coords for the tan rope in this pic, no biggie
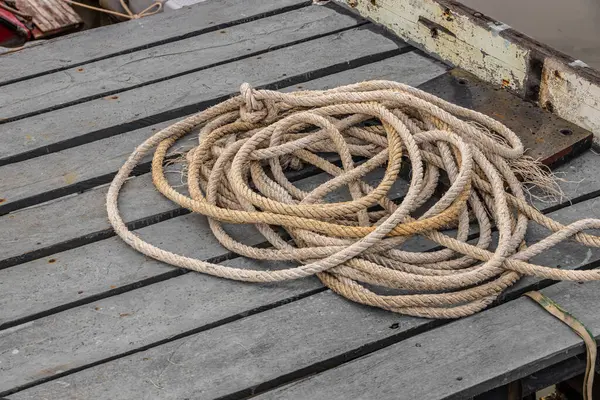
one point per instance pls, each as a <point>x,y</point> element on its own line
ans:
<point>152,9</point>
<point>236,175</point>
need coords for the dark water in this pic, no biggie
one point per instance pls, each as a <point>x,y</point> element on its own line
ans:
<point>571,26</point>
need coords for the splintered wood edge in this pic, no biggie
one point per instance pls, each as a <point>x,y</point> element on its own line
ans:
<point>495,53</point>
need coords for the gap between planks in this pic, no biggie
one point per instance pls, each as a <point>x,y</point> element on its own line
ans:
<point>177,75</point>
<point>182,111</point>
<point>27,186</point>
<point>313,368</point>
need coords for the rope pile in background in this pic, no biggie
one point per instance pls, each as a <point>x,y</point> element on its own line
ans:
<point>236,175</point>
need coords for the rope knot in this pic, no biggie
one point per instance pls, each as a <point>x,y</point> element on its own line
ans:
<point>254,110</point>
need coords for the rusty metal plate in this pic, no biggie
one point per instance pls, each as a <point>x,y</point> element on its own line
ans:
<point>544,135</point>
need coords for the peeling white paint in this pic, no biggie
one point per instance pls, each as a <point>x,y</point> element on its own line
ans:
<point>470,46</point>
<point>497,28</point>
<point>570,96</point>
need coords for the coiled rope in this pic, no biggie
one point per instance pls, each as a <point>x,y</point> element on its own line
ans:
<point>236,175</point>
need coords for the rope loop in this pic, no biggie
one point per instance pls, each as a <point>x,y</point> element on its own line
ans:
<point>461,174</point>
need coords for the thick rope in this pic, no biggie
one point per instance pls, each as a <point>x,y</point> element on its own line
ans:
<point>236,174</point>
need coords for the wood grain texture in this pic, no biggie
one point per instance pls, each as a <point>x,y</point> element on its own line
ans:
<point>189,93</point>
<point>122,323</point>
<point>66,277</point>
<point>116,74</point>
<point>319,332</point>
<point>465,357</point>
<point>82,167</point>
<point>316,341</point>
<point>107,41</point>
<point>39,286</point>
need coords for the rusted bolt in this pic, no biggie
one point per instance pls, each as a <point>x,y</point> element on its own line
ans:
<point>79,69</point>
<point>352,3</point>
<point>566,132</point>
<point>2,201</point>
<point>448,14</point>
<point>505,82</point>
<point>52,260</point>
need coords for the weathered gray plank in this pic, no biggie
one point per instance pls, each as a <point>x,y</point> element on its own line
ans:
<point>108,116</point>
<point>312,331</point>
<point>69,171</point>
<point>75,216</point>
<point>198,366</point>
<point>107,41</point>
<point>464,358</point>
<point>72,170</point>
<point>83,272</point>
<point>137,318</point>
<point>109,76</point>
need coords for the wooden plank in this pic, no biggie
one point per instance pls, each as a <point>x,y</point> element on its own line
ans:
<point>303,338</point>
<point>80,168</point>
<point>202,365</point>
<point>187,303</point>
<point>271,348</point>
<point>109,41</point>
<point>464,358</point>
<point>147,105</point>
<point>117,74</point>
<point>73,218</point>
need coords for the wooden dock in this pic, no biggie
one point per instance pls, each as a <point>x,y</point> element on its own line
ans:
<point>84,316</point>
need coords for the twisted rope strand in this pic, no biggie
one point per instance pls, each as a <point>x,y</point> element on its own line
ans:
<point>236,174</point>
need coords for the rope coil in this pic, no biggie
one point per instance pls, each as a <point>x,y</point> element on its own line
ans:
<point>236,174</point>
